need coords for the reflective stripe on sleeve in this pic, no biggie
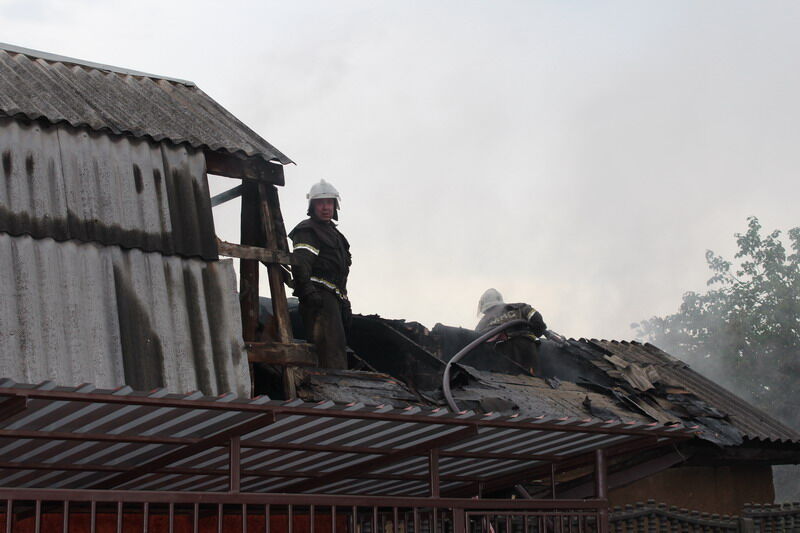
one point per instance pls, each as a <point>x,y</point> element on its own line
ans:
<point>304,246</point>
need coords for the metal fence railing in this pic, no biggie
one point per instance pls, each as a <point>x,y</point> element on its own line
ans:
<point>42,510</point>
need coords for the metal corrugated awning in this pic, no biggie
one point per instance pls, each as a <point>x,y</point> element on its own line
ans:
<point>86,438</point>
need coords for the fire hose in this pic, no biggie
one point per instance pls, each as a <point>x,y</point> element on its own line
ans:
<point>448,395</point>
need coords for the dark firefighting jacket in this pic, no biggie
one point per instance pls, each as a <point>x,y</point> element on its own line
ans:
<point>500,314</point>
<point>320,259</point>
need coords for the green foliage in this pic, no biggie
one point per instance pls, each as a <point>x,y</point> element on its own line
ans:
<point>744,332</point>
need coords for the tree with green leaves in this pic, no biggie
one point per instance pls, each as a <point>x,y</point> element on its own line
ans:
<point>744,332</point>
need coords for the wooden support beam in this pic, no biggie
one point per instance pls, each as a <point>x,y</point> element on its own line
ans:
<point>275,353</point>
<point>187,451</point>
<point>280,306</point>
<point>277,218</point>
<point>275,236</point>
<point>255,253</point>
<point>226,196</point>
<point>248,268</point>
<point>253,168</point>
<point>386,460</point>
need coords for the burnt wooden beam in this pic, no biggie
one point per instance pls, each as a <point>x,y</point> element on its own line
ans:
<point>276,353</point>
<point>386,460</point>
<point>255,253</point>
<point>187,451</point>
<point>277,218</point>
<point>280,306</point>
<point>253,168</point>
<point>226,196</point>
<point>248,267</point>
<point>275,237</point>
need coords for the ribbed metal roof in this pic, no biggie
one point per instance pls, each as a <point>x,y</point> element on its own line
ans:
<point>74,312</point>
<point>71,184</point>
<point>80,437</point>
<point>751,421</point>
<point>38,85</point>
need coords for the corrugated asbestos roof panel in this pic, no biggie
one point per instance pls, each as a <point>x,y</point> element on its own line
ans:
<point>751,421</point>
<point>85,438</point>
<point>73,313</point>
<point>38,85</point>
<point>68,183</point>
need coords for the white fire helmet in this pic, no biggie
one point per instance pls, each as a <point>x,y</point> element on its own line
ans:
<point>489,299</point>
<point>323,189</point>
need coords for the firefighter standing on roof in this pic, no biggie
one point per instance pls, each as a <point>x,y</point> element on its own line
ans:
<point>320,265</point>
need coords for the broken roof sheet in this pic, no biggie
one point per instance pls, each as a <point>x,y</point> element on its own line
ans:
<point>751,421</point>
<point>65,437</point>
<point>38,85</point>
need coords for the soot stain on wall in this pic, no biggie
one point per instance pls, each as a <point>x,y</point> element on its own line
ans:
<point>142,353</point>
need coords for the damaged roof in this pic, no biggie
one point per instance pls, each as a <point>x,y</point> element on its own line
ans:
<point>752,422</point>
<point>39,85</point>
<point>606,380</point>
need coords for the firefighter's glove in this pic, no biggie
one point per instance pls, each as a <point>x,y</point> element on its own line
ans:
<point>312,300</point>
<point>537,324</point>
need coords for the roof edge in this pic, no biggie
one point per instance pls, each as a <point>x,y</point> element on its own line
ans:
<point>47,56</point>
<point>280,158</point>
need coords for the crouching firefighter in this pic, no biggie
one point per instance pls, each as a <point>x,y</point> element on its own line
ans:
<point>320,265</point>
<point>518,345</point>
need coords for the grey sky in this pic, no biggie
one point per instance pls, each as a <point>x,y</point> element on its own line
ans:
<point>577,155</point>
